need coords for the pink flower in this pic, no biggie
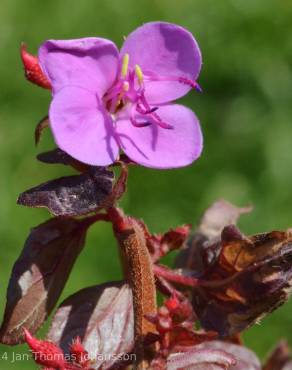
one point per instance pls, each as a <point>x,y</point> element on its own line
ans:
<point>104,101</point>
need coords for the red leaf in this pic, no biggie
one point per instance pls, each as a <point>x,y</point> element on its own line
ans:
<point>102,316</point>
<point>58,156</point>
<point>39,275</point>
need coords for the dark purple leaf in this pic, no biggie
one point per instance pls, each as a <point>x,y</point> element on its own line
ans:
<point>102,316</point>
<point>55,156</point>
<point>39,275</point>
<point>72,195</point>
<point>58,156</point>
<point>197,358</point>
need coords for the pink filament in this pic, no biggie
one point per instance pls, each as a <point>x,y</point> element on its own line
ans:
<point>182,80</point>
<point>155,117</point>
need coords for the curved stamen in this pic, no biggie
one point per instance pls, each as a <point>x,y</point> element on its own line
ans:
<point>139,125</point>
<point>160,123</point>
<point>143,111</point>
<point>181,79</point>
<point>155,117</point>
<point>134,121</point>
<point>191,83</point>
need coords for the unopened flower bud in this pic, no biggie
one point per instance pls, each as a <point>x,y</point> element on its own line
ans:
<point>79,353</point>
<point>45,353</point>
<point>32,69</point>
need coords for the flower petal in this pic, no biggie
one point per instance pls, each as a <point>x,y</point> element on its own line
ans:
<point>82,128</point>
<point>91,63</point>
<point>156,147</point>
<point>164,49</point>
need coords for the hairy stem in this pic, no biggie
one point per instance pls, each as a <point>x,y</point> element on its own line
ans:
<point>138,270</point>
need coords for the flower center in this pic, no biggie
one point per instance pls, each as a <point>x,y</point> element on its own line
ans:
<point>129,90</point>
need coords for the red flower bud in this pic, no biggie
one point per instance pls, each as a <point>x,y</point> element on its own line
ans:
<point>175,238</point>
<point>45,353</point>
<point>32,69</point>
<point>172,303</point>
<point>79,353</point>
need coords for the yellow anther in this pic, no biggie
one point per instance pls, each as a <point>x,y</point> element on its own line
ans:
<point>139,73</point>
<point>126,86</point>
<point>125,64</point>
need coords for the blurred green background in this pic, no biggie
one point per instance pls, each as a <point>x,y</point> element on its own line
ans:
<point>245,112</point>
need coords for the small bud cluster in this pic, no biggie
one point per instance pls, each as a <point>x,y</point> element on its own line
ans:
<point>175,324</point>
<point>52,357</point>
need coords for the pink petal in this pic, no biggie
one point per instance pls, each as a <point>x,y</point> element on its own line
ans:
<point>157,147</point>
<point>91,63</point>
<point>164,49</point>
<point>81,127</point>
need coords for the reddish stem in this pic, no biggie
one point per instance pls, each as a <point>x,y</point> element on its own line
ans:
<point>166,288</point>
<point>98,217</point>
<point>169,275</point>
